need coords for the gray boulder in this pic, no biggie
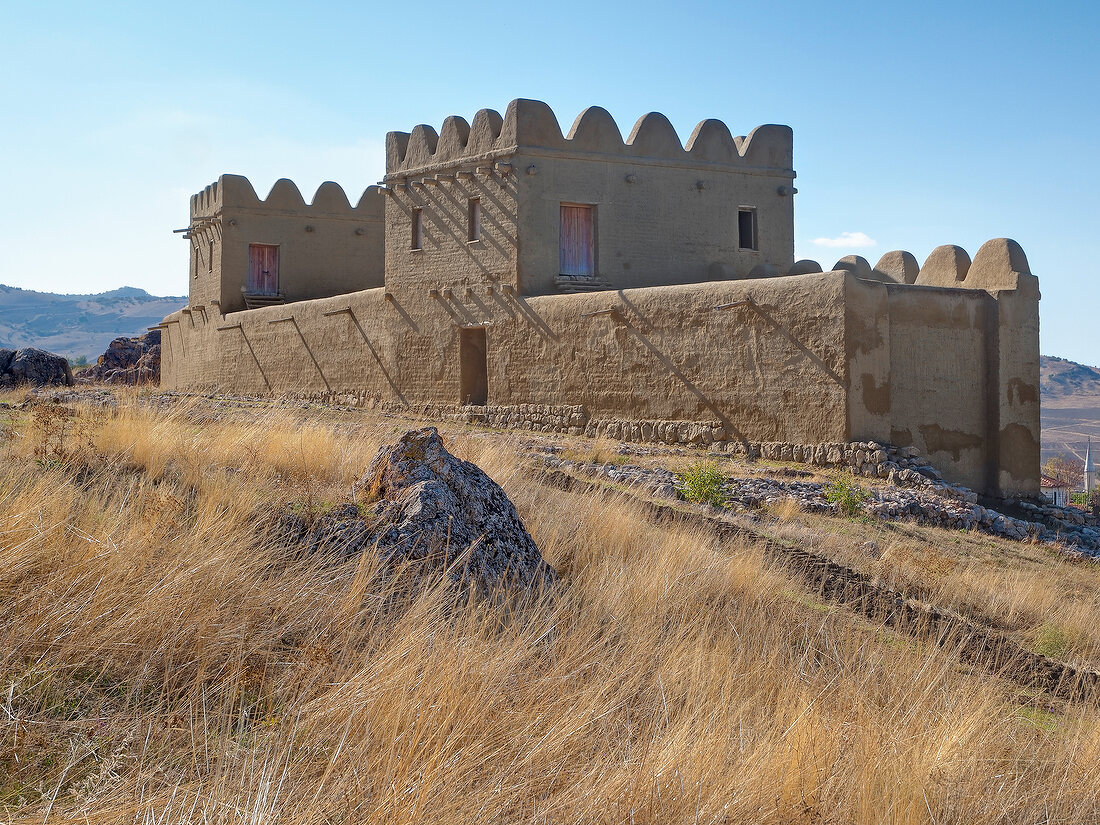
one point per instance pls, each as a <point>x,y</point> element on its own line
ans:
<point>38,368</point>
<point>424,504</point>
<point>127,361</point>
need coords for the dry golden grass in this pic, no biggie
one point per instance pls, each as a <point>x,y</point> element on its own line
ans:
<point>1046,601</point>
<point>161,660</point>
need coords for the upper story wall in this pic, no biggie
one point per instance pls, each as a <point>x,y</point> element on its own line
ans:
<point>326,247</point>
<point>432,244</point>
<point>662,212</point>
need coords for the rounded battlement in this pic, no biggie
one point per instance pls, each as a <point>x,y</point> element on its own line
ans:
<point>532,124</point>
<point>237,192</point>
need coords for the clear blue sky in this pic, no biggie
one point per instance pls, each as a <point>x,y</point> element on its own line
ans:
<point>915,124</point>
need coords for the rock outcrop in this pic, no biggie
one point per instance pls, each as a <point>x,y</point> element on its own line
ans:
<point>33,366</point>
<point>424,504</point>
<point>127,361</point>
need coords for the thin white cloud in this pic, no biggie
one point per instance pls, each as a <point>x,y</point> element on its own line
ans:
<point>849,240</point>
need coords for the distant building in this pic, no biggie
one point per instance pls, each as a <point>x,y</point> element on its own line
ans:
<point>1090,469</point>
<point>1055,490</point>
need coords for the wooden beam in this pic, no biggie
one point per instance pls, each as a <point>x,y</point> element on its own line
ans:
<point>746,303</point>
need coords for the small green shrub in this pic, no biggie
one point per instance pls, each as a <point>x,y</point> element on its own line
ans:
<point>846,493</point>
<point>703,483</point>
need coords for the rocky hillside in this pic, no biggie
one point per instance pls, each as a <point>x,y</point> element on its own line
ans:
<point>1065,381</point>
<point>1071,406</point>
<point>78,325</point>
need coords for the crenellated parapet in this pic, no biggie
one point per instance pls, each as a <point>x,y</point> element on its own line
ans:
<point>235,192</point>
<point>530,125</point>
<point>997,265</point>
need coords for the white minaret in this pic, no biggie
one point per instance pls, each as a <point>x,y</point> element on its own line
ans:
<point>1090,469</point>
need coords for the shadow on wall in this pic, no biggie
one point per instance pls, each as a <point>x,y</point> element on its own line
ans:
<point>305,344</point>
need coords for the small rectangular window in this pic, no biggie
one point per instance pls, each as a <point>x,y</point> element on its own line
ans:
<point>417,229</point>
<point>746,228</point>
<point>210,260</point>
<point>473,220</point>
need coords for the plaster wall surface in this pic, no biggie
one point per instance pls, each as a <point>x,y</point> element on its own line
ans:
<point>447,257</point>
<point>654,225</point>
<point>941,373</point>
<point>869,371</point>
<point>811,358</point>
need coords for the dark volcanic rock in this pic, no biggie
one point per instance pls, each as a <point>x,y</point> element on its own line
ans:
<point>424,504</point>
<point>34,366</point>
<point>128,361</point>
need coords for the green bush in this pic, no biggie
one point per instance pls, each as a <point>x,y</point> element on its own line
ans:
<point>845,492</point>
<point>703,484</point>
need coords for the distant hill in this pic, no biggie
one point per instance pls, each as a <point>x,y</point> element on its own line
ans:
<point>75,325</point>
<point>1070,394</point>
<point>1063,381</point>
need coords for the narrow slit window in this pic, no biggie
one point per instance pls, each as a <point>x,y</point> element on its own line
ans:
<point>746,228</point>
<point>473,220</point>
<point>417,229</point>
<point>210,260</point>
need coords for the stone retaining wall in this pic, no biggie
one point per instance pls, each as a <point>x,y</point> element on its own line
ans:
<point>901,465</point>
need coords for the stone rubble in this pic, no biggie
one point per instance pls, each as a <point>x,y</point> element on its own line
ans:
<point>931,503</point>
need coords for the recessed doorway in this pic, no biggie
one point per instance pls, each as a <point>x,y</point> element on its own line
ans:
<point>473,366</point>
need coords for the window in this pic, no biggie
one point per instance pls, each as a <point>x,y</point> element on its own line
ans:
<point>746,228</point>
<point>473,220</point>
<point>210,260</point>
<point>417,229</point>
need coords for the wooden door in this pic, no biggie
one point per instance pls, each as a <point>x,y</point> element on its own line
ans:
<point>578,254</point>
<point>263,269</point>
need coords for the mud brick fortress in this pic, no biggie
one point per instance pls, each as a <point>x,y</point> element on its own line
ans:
<point>506,274</point>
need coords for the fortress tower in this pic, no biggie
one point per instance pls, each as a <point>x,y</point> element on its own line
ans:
<point>511,200</point>
<point>247,252</point>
